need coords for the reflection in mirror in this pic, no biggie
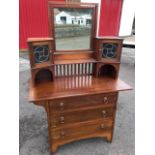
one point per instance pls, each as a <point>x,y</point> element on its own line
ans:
<point>72,28</point>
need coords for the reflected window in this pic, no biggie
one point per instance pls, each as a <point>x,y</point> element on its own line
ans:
<point>63,20</point>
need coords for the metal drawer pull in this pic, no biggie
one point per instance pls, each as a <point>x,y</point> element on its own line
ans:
<point>104,113</point>
<point>105,100</point>
<point>62,118</point>
<point>102,126</point>
<point>61,105</point>
<point>62,134</point>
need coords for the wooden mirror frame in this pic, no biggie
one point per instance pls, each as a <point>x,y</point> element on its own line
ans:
<point>52,5</point>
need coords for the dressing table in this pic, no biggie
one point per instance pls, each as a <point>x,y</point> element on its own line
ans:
<point>77,87</point>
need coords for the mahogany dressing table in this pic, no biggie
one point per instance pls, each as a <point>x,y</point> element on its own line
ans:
<point>78,88</point>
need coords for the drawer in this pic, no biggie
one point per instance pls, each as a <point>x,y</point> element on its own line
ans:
<point>82,130</point>
<point>65,118</point>
<point>83,101</point>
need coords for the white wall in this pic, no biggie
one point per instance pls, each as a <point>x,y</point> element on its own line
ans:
<point>76,21</point>
<point>68,18</point>
<point>127,18</point>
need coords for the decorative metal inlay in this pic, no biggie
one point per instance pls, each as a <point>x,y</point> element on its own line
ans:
<point>41,53</point>
<point>109,50</point>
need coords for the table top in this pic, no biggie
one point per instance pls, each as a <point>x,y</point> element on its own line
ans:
<point>64,87</point>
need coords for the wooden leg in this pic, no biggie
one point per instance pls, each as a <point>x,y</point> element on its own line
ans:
<point>109,138</point>
<point>54,148</point>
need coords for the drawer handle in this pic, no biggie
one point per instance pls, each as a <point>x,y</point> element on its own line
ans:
<point>105,100</point>
<point>102,126</point>
<point>62,119</point>
<point>62,133</point>
<point>104,113</point>
<point>61,105</point>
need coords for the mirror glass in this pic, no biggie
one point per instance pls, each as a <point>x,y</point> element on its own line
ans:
<point>72,27</point>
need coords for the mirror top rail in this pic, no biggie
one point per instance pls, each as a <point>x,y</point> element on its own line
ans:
<point>72,4</point>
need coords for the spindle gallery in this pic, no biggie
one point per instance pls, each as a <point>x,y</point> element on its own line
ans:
<point>77,85</point>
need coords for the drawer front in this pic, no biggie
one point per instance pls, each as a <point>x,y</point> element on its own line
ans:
<point>83,101</point>
<point>61,119</point>
<point>84,129</point>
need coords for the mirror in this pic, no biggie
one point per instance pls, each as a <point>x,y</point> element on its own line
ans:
<point>72,28</point>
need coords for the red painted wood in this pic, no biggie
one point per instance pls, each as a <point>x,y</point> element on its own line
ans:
<point>33,20</point>
<point>110,17</point>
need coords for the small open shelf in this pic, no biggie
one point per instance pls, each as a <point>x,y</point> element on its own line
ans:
<point>108,71</point>
<point>43,75</point>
